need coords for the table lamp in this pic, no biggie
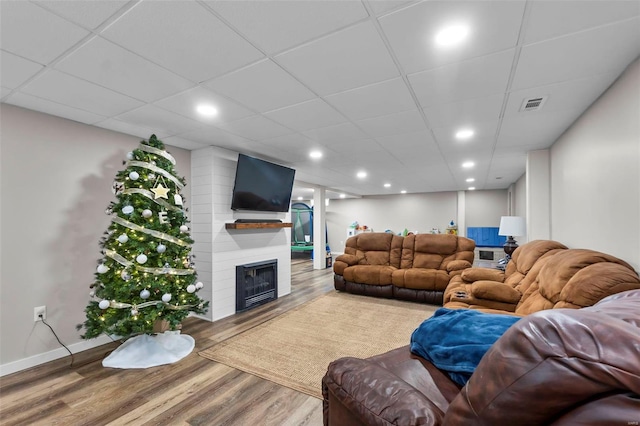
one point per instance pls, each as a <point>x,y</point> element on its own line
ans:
<point>511,226</point>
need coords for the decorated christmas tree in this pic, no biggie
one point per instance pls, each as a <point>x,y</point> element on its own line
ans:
<point>146,274</point>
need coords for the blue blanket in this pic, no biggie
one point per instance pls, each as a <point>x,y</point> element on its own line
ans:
<point>455,340</point>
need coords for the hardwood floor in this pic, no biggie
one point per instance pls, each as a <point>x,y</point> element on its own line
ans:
<point>193,391</point>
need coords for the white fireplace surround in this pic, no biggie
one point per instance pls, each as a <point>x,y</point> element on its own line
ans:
<point>218,250</point>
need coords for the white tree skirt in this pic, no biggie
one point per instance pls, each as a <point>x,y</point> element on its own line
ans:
<point>146,351</point>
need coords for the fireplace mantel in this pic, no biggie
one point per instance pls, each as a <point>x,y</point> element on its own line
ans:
<point>258,225</point>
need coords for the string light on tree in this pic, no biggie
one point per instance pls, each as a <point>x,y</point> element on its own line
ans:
<point>142,277</point>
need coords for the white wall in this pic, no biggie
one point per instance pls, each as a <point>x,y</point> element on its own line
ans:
<point>520,202</point>
<point>218,251</point>
<point>595,174</point>
<point>484,208</point>
<point>416,212</point>
<point>538,194</point>
<point>56,178</point>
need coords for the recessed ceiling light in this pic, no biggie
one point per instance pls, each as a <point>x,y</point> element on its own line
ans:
<point>464,134</point>
<point>207,110</point>
<point>471,180</point>
<point>362,174</point>
<point>452,35</point>
<point>315,154</point>
<point>404,191</point>
<point>387,185</point>
<point>343,195</point>
<point>468,164</point>
<point>300,198</point>
<point>472,188</point>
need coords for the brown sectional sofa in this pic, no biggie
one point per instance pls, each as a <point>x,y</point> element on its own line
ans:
<point>415,267</point>
<point>542,275</point>
<point>557,367</point>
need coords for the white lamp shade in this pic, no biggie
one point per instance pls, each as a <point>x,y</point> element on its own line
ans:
<point>512,226</point>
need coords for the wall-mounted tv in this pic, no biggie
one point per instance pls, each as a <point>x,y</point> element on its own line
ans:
<point>262,186</point>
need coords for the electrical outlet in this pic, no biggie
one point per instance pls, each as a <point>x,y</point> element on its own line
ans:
<point>39,313</point>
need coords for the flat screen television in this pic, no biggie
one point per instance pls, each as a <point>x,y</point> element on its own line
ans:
<point>261,186</point>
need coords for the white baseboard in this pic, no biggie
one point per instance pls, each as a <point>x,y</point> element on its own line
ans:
<point>32,361</point>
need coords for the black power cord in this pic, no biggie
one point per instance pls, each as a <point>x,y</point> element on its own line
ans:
<point>58,339</point>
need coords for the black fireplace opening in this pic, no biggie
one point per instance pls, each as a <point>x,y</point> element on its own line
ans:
<point>256,284</point>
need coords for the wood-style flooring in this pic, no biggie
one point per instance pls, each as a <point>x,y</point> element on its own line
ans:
<point>193,391</point>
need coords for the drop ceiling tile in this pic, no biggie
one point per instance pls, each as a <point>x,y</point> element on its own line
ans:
<point>184,37</point>
<point>279,25</point>
<point>15,70</point>
<point>181,142</point>
<point>88,14</point>
<point>550,19</point>
<point>351,147</point>
<point>539,131</point>
<point>4,91</point>
<point>256,127</point>
<point>484,135</point>
<point>186,102</point>
<point>68,90</point>
<point>48,107</point>
<point>294,142</point>
<point>605,49</point>
<point>393,124</point>
<point>387,97</point>
<point>208,135</point>
<point>308,115</point>
<point>573,94</point>
<point>263,86</point>
<point>475,78</point>
<point>337,133</point>
<point>115,68</point>
<point>380,7</point>
<point>466,112</point>
<point>346,59</point>
<point>34,33</point>
<point>126,128</point>
<point>162,122</point>
<point>494,26</point>
<point>406,142</point>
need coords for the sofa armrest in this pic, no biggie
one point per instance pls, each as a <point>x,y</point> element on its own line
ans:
<point>372,394</point>
<point>349,259</point>
<point>494,290</point>
<point>458,265</point>
<point>475,274</point>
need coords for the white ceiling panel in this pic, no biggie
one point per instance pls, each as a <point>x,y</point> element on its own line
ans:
<point>465,113</point>
<point>350,58</point>
<point>263,86</point>
<point>347,149</point>
<point>185,104</point>
<point>183,143</point>
<point>393,124</point>
<point>337,133</point>
<point>408,141</point>
<point>116,125</point>
<point>475,78</point>
<point>387,97</point>
<point>380,7</point>
<point>308,115</point>
<point>67,90</point>
<point>256,127</point>
<point>605,49</point>
<point>279,25</point>
<point>493,26</point>
<point>539,130</point>
<point>183,37</point>
<point>15,70</point>
<point>217,137</point>
<point>4,91</point>
<point>550,19</point>
<point>48,107</point>
<point>484,136</point>
<point>29,31</point>
<point>164,123</point>
<point>88,13</point>
<point>115,68</point>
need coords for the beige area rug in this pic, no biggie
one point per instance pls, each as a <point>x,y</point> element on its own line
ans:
<point>295,348</point>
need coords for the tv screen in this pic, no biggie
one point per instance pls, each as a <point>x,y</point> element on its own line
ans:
<point>261,186</point>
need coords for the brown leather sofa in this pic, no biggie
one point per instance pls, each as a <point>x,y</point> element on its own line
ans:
<point>559,367</point>
<point>542,275</point>
<point>415,267</point>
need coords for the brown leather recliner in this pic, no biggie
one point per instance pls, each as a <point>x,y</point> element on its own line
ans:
<point>558,367</point>
<point>571,278</point>
<point>486,288</point>
<point>415,267</point>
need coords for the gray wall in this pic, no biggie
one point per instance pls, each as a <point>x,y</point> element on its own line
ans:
<point>484,208</point>
<point>595,174</point>
<point>55,179</point>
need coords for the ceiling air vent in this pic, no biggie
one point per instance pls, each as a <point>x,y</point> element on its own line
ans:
<point>534,104</point>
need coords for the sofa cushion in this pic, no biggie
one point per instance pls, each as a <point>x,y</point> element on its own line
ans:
<point>369,274</point>
<point>377,248</point>
<point>421,279</point>
<point>435,251</point>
